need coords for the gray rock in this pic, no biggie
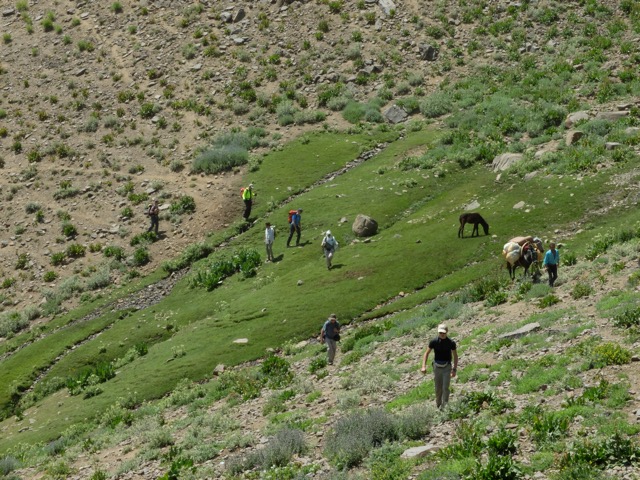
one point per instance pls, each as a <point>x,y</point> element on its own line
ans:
<point>364,226</point>
<point>428,52</point>
<point>576,117</point>
<point>8,12</point>
<point>612,145</point>
<point>219,370</point>
<point>632,131</point>
<point>504,161</point>
<point>520,205</point>
<point>241,341</point>
<point>472,206</point>
<point>573,136</point>
<point>240,14</point>
<point>387,6</point>
<point>226,17</point>
<point>417,452</point>
<point>612,116</point>
<point>531,327</point>
<point>395,114</point>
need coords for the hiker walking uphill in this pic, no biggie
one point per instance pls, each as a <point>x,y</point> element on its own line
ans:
<point>330,334</point>
<point>154,215</point>
<point>269,237</point>
<point>295,217</point>
<point>329,245</point>
<point>444,351</point>
<point>247,198</point>
<point>551,261</point>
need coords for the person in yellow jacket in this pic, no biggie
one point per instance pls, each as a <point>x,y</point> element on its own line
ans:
<point>247,198</point>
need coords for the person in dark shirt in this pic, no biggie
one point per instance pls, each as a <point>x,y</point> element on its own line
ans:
<point>444,351</point>
<point>294,227</point>
<point>329,334</point>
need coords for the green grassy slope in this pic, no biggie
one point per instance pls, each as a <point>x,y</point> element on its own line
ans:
<point>416,247</point>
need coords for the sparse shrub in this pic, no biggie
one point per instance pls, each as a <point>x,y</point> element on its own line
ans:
<point>317,364</point>
<point>503,442</point>
<point>436,105</point>
<point>549,426</point>
<point>85,46</point>
<point>32,207</point>
<point>183,205</point>
<point>58,258</point>
<point>356,434</point>
<point>548,300</point>
<point>496,298</point>
<point>69,230</point>
<point>49,276</point>
<point>75,250</point>
<point>581,290</point>
<point>23,261</point>
<point>148,110</point>
<point>8,464</point>
<point>498,467</point>
<point>116,7</point>
<point>100,279</point>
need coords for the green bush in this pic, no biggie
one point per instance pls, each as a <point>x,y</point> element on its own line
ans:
<point>498,467</point>
<point>610,354</point>
<point>183,205</point>
<point>581,290</point>
<point>22,263</point>
<point>143,238</point>
<point>317,364</point>
<point>503,442</point>
<point>613,450</point>
<point>277,371</point>
<point>113,251</point>
<point>140,257</point>
<point>630,317</point>
<point>49,276</point>
<point>75,250</point>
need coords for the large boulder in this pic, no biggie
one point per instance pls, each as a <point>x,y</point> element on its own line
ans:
<point>364,226</point>
<point>504,161</point>
<point>395,114</point>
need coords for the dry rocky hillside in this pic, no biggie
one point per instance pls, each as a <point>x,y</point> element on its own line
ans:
<point>105,105</point>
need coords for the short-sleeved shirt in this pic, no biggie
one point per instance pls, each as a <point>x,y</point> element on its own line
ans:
<point>442,348</point>
<point>295,219</point>
<point>330,329</point>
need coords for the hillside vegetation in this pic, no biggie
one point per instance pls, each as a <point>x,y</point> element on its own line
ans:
<point>110,336</point>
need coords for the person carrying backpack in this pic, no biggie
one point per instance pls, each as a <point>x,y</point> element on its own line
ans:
<point>295,217</point>
<point>329,335</point>
<point>329,245</point>
<point>247,198</point>
<point>154,215</point>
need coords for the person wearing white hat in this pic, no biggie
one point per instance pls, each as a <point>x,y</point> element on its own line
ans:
<point>329,245</point>
<point>444,351</point>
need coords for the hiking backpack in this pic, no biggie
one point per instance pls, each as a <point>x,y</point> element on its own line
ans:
<point>291,214</point>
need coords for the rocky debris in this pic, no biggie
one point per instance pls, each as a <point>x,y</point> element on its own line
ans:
<point>505,160</point>
<point>364,226</point>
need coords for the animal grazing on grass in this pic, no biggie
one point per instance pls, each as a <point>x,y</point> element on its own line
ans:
<point>523,252</point>
<point>476,219</point>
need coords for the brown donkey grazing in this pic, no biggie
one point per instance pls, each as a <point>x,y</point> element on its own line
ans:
<point>476,219</point>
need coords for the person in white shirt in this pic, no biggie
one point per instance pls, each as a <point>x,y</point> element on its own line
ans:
<point>269,237</point>
<point>329,245</point>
